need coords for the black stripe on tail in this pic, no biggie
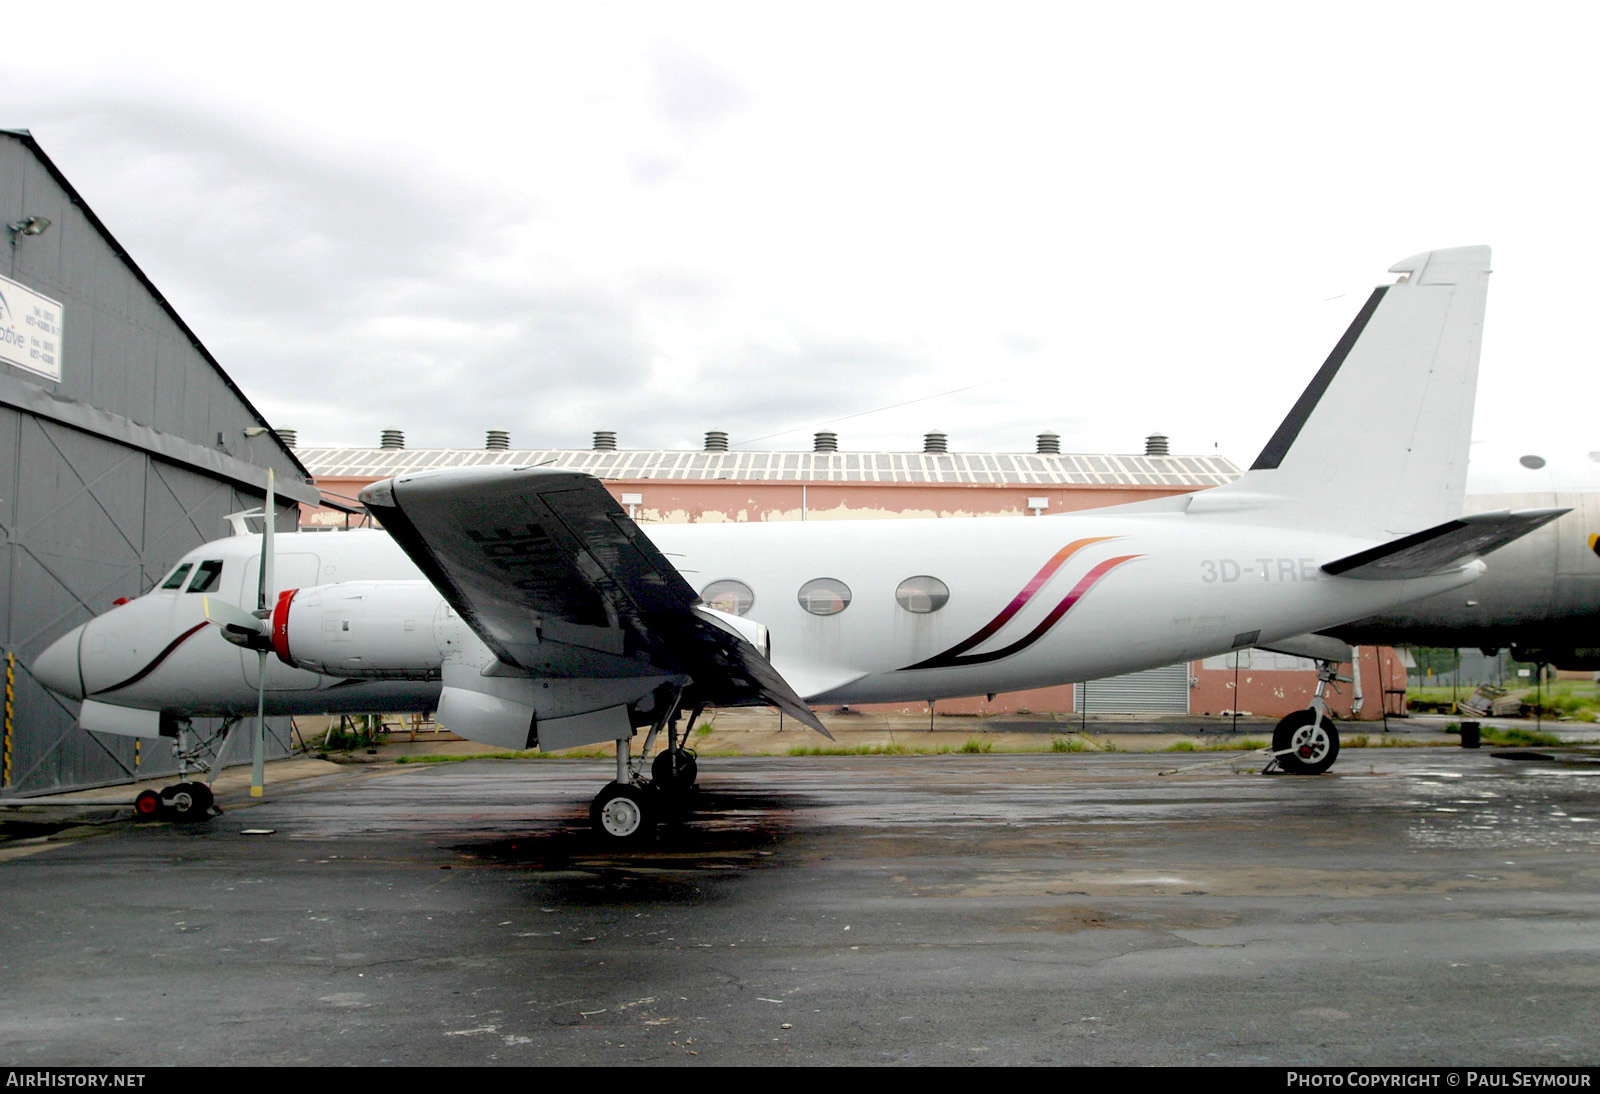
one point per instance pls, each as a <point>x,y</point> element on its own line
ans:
<point>1278,447</point>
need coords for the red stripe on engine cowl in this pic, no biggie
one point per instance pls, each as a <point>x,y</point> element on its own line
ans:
<point>280,627</point>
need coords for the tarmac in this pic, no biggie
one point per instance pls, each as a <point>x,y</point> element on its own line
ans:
<point>760,732</point>
<point>1417,905</point>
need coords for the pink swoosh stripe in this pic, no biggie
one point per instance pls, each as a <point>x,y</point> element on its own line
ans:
<point>1016,605</point>
<point>1088,581</point>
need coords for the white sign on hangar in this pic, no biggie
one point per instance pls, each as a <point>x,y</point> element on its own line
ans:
<point>30,329</point>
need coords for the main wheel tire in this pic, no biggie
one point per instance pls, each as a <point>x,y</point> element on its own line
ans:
<point>147,805</point>
<point>1305,746</point>
<point>624,814</point>
<point>674,770</point>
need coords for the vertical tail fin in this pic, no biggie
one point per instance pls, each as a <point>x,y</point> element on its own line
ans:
<point>1377,444</point>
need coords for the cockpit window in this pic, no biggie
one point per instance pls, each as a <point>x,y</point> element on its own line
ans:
<point>175,580</point>
<point>206,575</point>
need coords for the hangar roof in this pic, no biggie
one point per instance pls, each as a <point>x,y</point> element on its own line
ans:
<point>988,468</point>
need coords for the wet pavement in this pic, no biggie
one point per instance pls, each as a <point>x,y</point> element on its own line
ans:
<point>1417,906</point>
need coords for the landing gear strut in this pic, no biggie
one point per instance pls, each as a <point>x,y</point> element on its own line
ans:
<point>1307,742</point>
<point>629,807</point>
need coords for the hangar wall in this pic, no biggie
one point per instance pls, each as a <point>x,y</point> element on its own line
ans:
<point>116,457</point>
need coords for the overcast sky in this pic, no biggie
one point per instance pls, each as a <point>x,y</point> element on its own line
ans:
<point>772,218</point>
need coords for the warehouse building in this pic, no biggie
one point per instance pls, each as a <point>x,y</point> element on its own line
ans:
<point>123,444</point>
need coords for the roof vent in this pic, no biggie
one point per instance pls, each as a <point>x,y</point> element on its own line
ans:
<point>825,442</point>
<point>393,438</point>
<point>289,437</point>
<point>497,440</point>
<point>1155,445</point>
<point>716,441</point>
<point>935,442</point>
<point>1048,444</point>
<point>605,440</point>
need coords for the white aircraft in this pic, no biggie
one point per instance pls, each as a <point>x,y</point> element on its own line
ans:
<point>527,609</point>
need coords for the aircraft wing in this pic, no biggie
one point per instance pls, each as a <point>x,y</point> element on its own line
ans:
<point>549,571</point>
<point>1442,547</point>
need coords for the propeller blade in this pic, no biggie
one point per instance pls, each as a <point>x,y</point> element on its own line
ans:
<point>269,515</point>
<point>224,614</point>
<point>238,626</point>
<point>258,743</point>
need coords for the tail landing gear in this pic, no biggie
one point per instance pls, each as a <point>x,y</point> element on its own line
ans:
<point>1307,742</point>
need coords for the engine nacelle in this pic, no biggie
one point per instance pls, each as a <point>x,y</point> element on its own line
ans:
<point>368,630</point>
<point>752,632</point>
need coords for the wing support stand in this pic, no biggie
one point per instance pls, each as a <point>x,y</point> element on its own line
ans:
<point>1307,742</point>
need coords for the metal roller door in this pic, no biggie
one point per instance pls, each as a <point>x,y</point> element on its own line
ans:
<point>1154,691</point>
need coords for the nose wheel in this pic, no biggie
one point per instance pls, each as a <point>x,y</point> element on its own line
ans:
<point>185,801</point>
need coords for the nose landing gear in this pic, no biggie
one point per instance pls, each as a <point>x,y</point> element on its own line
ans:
<point>187,800</point>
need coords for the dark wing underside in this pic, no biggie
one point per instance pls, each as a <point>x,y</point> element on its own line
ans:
<point>541,562</point>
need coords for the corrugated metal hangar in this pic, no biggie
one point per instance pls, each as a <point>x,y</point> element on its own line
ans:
<point>123,444</point>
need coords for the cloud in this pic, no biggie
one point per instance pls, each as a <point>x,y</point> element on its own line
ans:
<point>693,92</point>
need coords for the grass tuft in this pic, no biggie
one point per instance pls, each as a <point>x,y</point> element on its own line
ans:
<point>851,750</point>
<point>1515,736</point>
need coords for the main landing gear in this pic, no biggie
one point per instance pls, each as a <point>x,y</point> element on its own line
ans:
<point>1307,742</point>
<point>189,800</point>
<point>629,808</point>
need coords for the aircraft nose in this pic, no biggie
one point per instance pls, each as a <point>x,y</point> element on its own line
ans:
<point>57,667</point>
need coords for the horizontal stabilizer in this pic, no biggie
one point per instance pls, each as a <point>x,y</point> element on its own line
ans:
<point>1442,547</point>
